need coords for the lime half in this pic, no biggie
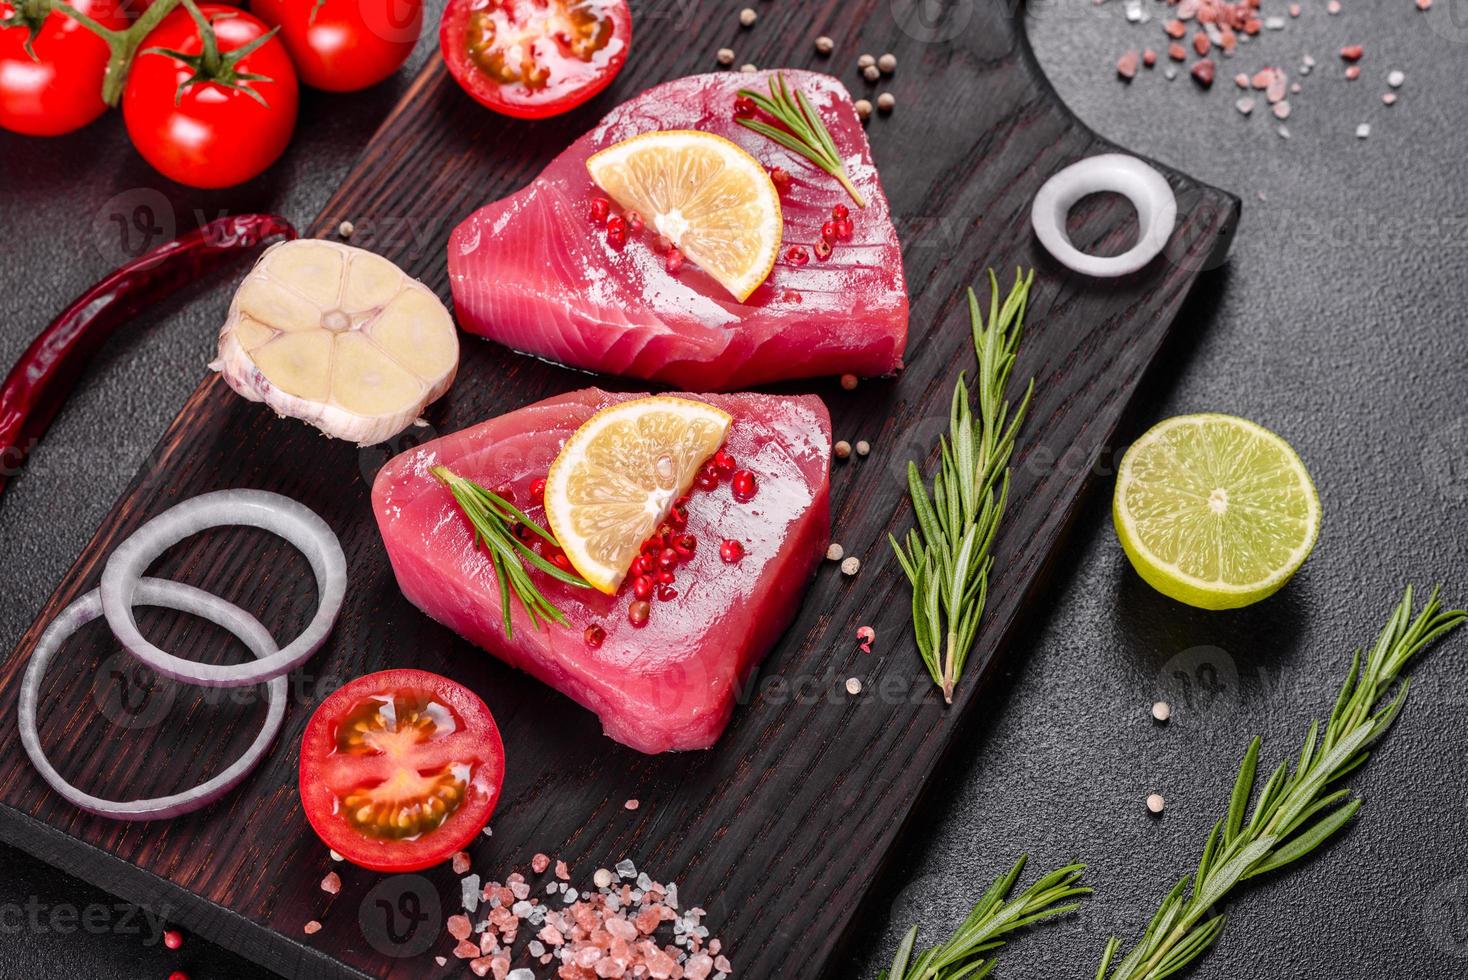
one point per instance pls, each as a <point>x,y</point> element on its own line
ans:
<point>1215,511</point>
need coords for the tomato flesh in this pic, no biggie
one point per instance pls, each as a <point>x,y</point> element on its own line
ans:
<point>535,58</point>
<point>400,769</point>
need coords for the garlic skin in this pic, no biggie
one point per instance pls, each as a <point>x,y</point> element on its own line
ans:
<point>339,338</point>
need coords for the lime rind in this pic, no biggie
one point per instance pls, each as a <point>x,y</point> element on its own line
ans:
<point>1211,476</point>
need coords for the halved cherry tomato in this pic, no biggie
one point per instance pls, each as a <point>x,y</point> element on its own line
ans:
<point>55,86</point>
<point>400,769</point>
<point>535,58</point>
<point>344,45</point>
<point>221,129</point>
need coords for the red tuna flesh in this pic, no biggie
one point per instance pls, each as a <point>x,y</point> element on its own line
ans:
<point>672,683</point>
<point>533,272</point>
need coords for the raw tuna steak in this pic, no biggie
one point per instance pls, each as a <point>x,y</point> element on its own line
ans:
<point>533,272</point>
<point>670,684</point>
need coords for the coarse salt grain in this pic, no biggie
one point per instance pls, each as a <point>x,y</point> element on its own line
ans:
<point>1156,803</point>
<point>1389,98</point>
<point>332,883</point>
<point>632,804</point>
<point>312,927</point>
<point>1395,79</point>
<point>539,863</point>
<point>461,862</point>
<point>335,856</point>
<point>1245,105</point>
<point>1363,131</point>
<point>563,871</point>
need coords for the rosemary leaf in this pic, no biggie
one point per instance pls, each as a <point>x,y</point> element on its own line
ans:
<point>804,132</point>
<point>493,519</point>
<point>1297,810</point>
<point>965,956</point>
<point>947,558</point>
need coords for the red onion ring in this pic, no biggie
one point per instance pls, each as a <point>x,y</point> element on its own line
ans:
<point>170,595</point>
<point>279,515</point>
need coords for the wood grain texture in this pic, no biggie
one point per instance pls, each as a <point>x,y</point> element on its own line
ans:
<point>783,828</point>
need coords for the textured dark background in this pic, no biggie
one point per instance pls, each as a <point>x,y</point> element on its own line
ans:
<point>1338,323</point>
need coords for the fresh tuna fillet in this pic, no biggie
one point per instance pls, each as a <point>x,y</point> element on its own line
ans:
<point>533,272</point>
<point>670,684</point>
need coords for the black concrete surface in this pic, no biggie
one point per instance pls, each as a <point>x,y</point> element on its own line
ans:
<point>1338,322</point>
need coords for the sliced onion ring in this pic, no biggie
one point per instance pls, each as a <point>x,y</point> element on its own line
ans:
<point>1138,182</point>
<point>171,595</point>
<point>293,521</point>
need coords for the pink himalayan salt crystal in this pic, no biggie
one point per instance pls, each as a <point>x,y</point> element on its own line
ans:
<point>459,926</point>
<point>1277,87</point>
<point>1241,80</point>
<point>1424,4</point>
<point>1282,110</point>
<point>562,871</point>
<point>632,804</point>
<point>539,863</point>
<point>698,967</point>
<point>1126,65</point>
<point>519,891</point>
<point>1203,72</point>
<point>332,883</point>
<point>1333,8</point>
<point>466,950</point>
<point>551,936</point>
<point>461,863</point>
<point>722,964</point>
<point>312,927</point>
<point>1262,78</point>
<point>1353,72</point>
<point>482,965</point>
<point>621,929</point>
<point>1149,57</point>
<point>1294,10</point>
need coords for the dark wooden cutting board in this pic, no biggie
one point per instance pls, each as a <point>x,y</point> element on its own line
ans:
<point>781,830</point>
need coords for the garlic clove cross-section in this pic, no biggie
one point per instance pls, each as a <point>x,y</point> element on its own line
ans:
<point>338,337</point>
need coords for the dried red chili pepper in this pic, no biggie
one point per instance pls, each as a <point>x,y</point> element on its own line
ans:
<point>43,376</point>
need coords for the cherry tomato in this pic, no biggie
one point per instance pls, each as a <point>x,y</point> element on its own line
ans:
<point>60,89</point>
<point>400,769</point>
<point>210,133</point>
<point>344,45</point>
<point>535,58</point>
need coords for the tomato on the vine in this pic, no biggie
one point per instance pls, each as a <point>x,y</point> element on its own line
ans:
<point>344,45</point>
<point>535,58</point>
<point>59,89</point>
<point>206,114</point>
<point>400,769</point>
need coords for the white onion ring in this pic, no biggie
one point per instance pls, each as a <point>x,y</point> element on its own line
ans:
<point>171,595</point>
<point>1148,190</point>
<point>283,516</point>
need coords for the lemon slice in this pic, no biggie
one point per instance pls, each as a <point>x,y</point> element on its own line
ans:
<point>705,195</point>
<point>338,337</point>
<point>1215,511</point>
<point>618,476</point>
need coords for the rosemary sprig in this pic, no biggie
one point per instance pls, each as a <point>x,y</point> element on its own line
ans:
<point>947,556</point>
<point>1296,811</point>
<point>493,519</point>
<point>965,956</point>
<point>804,132</point>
